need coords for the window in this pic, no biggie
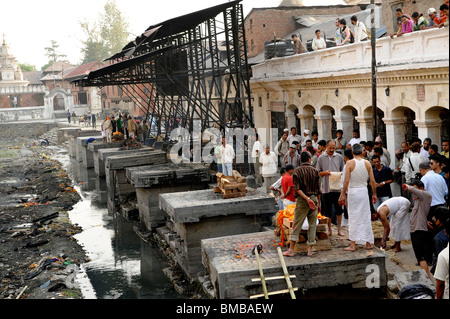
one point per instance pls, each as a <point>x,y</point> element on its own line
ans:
<point>82,98</point>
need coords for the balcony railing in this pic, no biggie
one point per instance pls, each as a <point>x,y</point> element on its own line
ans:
<point>412,49</point>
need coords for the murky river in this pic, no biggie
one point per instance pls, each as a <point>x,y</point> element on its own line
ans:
<point>122,265</point>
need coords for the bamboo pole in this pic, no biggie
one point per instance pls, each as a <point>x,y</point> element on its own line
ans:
<point>20,294</point>
<point>286,274</point>
<point>273,293</point>
<point>272,278</point>
<point>263,281</point>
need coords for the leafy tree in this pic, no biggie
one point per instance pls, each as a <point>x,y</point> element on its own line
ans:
<point>26,67</point>
<point>105,37</point>
<point>52,52</point>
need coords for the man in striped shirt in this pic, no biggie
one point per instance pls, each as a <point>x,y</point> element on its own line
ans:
<point>307,198</point>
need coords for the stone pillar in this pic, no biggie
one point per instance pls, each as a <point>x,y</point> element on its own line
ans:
<point>344,122</point>
<point>323,126</point>
<point>395,135</point>
<point>429,128</point>
<point>306,123</point>
<point>365,128</point>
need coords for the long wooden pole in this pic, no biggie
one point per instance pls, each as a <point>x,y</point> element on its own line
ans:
<point>374,70</point>
<point>263,281</point>
<point>286,274</point>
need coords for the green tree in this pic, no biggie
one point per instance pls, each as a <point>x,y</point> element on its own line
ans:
<point>26,67</point>
<point>105,37</point>
<point>52,52</point>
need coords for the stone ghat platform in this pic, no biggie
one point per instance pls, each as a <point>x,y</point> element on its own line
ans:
<point>196,215</point>
<point>190,207</point>
<point>231,276</point>
<point>152,180</point>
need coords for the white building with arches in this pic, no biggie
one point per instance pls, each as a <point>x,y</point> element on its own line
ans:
<point>332,89</point>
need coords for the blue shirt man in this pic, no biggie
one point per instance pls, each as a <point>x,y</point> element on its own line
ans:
<point>434,184</point>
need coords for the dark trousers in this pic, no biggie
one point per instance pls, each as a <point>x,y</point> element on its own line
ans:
<point>330,202</point>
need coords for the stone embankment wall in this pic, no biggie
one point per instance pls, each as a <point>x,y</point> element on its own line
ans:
<point>25,129</point>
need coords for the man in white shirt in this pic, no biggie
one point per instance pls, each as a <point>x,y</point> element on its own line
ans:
<point>411,165</point>
<point>361,33</point>
<point>305,137</point>
<point>356,139</point>
<point>425,147</point>
<point>294,136</point>
<point>318,42</point>
<point>227,153</point>
<point>256,152</point>
<point>269,163</point>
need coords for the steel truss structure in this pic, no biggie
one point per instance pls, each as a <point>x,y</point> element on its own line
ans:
<point>190,68</point>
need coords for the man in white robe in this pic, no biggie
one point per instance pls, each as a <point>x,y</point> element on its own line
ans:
<point>354,192</point>
<point>399,226</point>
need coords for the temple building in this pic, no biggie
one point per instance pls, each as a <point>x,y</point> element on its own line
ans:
<point>15,91</point>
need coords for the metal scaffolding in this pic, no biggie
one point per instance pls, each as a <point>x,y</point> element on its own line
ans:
<point>190,68</point>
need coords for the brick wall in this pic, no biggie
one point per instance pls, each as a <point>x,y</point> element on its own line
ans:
<point>261,23</point>
<point>24,100</point>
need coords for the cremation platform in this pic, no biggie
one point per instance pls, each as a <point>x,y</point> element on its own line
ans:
<point>119,189</point>
<point>103,154</point>
<point>92,151</point>
<point>81,148</point>
<point>202,214</point>
<point>231,266</point>
<point>152,180</point>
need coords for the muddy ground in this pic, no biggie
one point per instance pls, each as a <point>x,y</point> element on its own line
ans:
<point>38,254</point>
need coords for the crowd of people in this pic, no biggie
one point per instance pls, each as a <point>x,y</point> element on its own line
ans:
<point>356,180</point>
<point>126,126</point>
<point>406,24</point>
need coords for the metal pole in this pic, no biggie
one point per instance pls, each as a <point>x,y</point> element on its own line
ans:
<point>374,70</point>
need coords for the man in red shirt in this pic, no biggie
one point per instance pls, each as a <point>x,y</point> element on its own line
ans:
<point>287,186</point>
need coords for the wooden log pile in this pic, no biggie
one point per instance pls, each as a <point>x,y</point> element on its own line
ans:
<point>231,186</point>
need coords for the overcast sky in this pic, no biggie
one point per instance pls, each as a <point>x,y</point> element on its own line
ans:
<point>29,26</point>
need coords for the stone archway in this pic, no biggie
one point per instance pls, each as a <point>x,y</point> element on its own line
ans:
<point>436,125</point>
<point>326,124</point>
<point>49,102</point>
<point>366,125</point>
<point>307,120</point>
<point>346,120</point>
<point>402,119</point>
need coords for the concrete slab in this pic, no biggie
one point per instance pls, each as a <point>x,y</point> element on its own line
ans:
<point>73,134</point>
<point>170,173</point>
<point>119,189</point>
<point>81,147</point>
<point>403,279</point>
<point>151,181</point>
<point>232,277</point>
<point>104,153</point>
<point>190,207</point>
<point>197,215</point>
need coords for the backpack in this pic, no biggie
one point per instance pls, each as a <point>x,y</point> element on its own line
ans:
<point>417,176</point>
<point>352,36</point>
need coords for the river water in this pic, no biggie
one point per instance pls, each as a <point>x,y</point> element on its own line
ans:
<point>122,265</point>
